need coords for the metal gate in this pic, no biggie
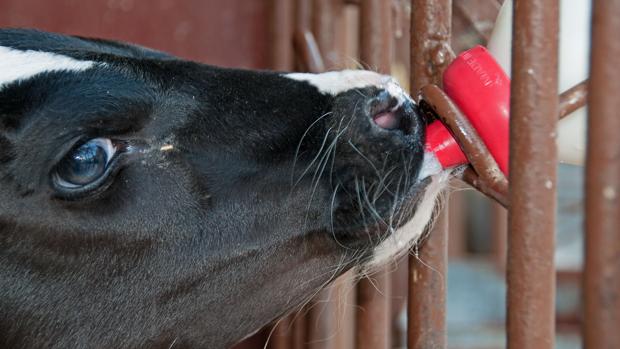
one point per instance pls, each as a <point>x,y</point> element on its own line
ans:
<point>316,28</point>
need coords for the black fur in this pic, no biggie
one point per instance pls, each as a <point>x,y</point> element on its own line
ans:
<point>244,217</point>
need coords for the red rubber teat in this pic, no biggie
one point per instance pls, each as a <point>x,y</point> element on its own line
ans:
<point>481,89</point>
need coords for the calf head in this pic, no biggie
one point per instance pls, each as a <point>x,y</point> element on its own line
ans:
<point>147,200</point>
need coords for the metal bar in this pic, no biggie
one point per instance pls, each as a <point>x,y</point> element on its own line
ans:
<point>426,308</point>
<point>299,330</point>
<point>430,41</point>
<point>282,55</point>
<point>308,51</point>
<point>499,233</point>
<point>303,15</point>
<point>321,321</point>
<point>376,34</point>
<point>470,177</point>
<point>283,59</point>
<point>324,28</point>
<point>601,282</point>
<point>303,24</point>
<point>373,294</point>
<point>430,54</point>
<point>480,159</point>
<point>281,335</point>
<point>480,15</point>
<point>533,171</point>
<point>573,99</point>
<point>373,325</point>
<point>344,337</point>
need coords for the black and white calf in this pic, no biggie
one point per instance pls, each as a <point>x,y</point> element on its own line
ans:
<point>147,201</point>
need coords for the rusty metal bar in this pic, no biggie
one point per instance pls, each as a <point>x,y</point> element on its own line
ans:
<point>281,336</point>
<point>376,34</point>
<point>303,15</point>
<point>430,41</point>
<point>299,330</point>
<point>430,54</point>
<point>373,325</point>
<point>283,59</point>
<point>573,99</point>
<point>324,28</point>
<point>321,321</point>
<point>601,282</point>
<point>308,51</point>
<point>426,308</point>
<point>533,172</point>
<point>490,178</point>
<point>373,294</point>
<point>282,55</point>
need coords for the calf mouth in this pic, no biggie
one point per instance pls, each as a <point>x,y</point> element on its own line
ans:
<point>378,141</point>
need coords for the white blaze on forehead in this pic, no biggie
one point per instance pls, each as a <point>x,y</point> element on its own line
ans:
<point>16,65</point>
<point>336,82</point>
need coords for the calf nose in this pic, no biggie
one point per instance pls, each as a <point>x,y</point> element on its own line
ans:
<point>393,113</point>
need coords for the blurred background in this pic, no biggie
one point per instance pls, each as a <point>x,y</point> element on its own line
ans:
<point>257,34</point>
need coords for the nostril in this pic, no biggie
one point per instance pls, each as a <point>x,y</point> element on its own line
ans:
<point>388,120</point>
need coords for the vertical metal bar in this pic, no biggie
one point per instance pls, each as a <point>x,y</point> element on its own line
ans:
<point>303,15</point>
<point>376,34</point>
<point>373,314</point>
<point>601,325</point>
<point>299,330</point>
<point>426,308</point>
<point>499,231</point>
<point>431,25</point>
<point>324,27</point>
<point>282,58</point>
<point>303,23</point>
<point>533,170</point>
<point>281,335</point>
<point>430,54</point>
<point>282,55</point>
<point>322,321</point>
<point>344,336</point>
<point>373,325</point>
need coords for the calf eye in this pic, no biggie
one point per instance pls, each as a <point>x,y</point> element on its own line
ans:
<point>85,164</point>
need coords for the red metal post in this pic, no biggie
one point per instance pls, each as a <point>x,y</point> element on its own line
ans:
<point>601,282</point>
<point>533,171</point>
<point>430,54</point>
<point>373,295</point>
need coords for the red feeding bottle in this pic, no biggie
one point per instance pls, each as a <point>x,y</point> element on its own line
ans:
<point>481,89</point>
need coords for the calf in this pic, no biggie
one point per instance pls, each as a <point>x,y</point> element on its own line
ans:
<point>148,201</point>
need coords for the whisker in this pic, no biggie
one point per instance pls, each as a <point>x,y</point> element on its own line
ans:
<point>301,142</point>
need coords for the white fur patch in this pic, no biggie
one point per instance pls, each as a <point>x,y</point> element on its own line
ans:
<point>404,237</point>
<point>336,82</point>
<point>16,65</point>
